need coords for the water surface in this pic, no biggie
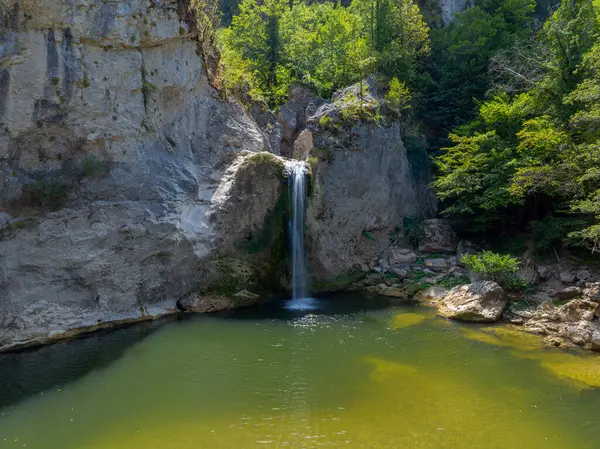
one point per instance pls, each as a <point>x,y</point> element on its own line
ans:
<point>354,373</point>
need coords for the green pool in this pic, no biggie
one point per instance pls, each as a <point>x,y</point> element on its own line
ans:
<point>355,373</point>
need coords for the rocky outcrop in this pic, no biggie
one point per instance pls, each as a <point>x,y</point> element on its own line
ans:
<point>293,117</point>
<point>438,237</point>
<point>126,182</point>
<point>362,188</point>
<point>567,293</point>
<point>573,323</point>
<point>482,301</point>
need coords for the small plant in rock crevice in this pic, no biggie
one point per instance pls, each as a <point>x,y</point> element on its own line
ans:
<point>48,194</point>
<point>92,167</point>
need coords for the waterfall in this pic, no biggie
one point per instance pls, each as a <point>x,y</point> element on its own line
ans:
<point>296,172</point>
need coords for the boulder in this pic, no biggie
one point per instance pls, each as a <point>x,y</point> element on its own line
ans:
<point>482,301</point>
<point>303,145</point>
<point>568,293</point>
<point>453,261</point>
<point>544,273</point>
<point>432,280</point>
<point>373,280</point>
<point>592,292</point>
<point>579,333</point>
<point>577,310</point>
<point>384,265</point>
<point>567,277</point>
<point>401,256</point>
<point>546,312</point>
<point>529,275</point>
<point>583,275</point>
<point>400,272</point>
<point>439,237</point>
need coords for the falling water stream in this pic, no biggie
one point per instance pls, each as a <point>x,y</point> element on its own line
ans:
<point>297,173</point>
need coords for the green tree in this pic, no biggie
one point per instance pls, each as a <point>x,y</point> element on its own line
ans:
<point>461,56</point>
<point>397,35</point>
<point>323,46</point>
<point>536,155</point>
<point>251,51</point>
<point>398,97</point>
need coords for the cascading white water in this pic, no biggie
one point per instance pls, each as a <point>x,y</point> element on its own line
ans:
<point>296,172</point>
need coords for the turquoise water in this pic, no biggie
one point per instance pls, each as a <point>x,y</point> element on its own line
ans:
<point>355,373</point>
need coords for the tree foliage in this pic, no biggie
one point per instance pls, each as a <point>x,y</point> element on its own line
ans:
<point>495,267</point>
<point>461,53</point>
<point>274,43</point>
<point>536,154</point>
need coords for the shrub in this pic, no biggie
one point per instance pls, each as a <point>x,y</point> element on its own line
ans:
<point>48,193</point>
<point>413,230</point>
<point>326,122</point>
<point>93,167</point>
<point>495,267</point>
<point>398,97</point>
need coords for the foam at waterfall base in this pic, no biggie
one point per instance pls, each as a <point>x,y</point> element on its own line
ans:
<point>302,304</point>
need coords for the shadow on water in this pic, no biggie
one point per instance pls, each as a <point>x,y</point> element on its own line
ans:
<point>286,309</point>
<point>30,372</point>
<point>24,374</point>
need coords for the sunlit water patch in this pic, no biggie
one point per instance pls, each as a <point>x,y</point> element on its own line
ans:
<point>343,375</point>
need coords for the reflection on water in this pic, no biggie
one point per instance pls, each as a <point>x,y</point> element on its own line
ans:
<point>343,375</point>
<point>31,372</point>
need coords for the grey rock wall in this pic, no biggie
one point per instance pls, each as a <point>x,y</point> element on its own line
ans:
<point>116,156</point>
<point>362,185</point>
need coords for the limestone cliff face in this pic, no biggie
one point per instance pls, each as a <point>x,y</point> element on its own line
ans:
<point>363,185</point>
<point>116,159</point>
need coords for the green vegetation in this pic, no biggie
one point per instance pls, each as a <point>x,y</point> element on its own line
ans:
<point>234,275</point>
<point>47,193</point>
<point>461,56</point>
<point>273,44</point>
<point>398,97</point>
<point>9,230</point>
<point>369,236</point>
<point>413,230</point>
<point>506,95</point>
<point>414,282</point>
<point>93,167</point>
<point>452,281</point>
<point>531,156</point>
<point>495,267</point>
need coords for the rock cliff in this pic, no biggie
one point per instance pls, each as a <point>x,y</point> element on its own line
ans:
<point>125,180</point>
<point>363,186</point>
<point>130,188</point>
